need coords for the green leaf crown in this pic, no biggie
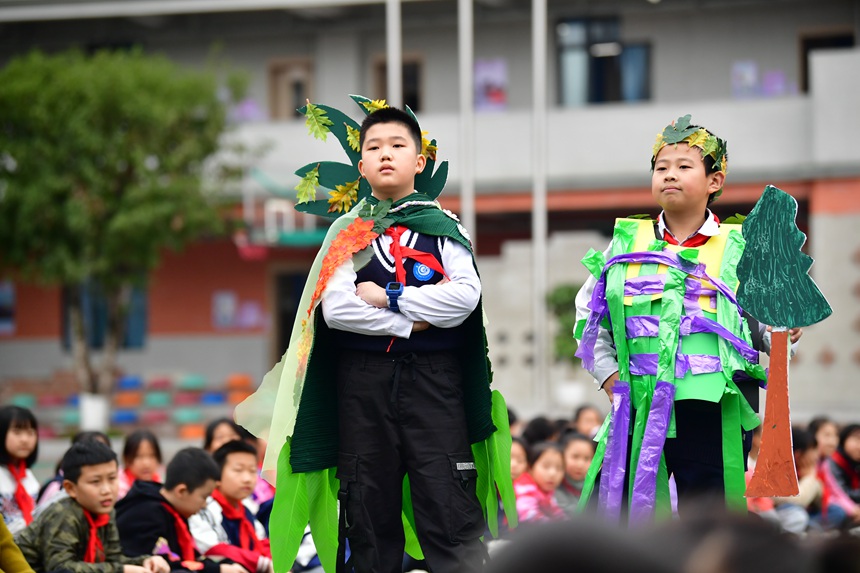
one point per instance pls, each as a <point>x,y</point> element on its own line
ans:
<point>680,131</point>
<point>343,180</point>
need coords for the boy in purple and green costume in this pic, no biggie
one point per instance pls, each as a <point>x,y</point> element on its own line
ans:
<point>661,331</point>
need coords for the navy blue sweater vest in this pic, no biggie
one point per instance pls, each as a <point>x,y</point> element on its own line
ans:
<point>381,271</point>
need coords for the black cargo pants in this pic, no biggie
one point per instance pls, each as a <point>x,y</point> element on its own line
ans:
<point>403,414</point>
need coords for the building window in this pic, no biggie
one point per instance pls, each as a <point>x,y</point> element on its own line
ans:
<point>835,40</point>
<point>94,307</point>
<point>413,80</point>
<point>290,86</point>
<point>596,67</point>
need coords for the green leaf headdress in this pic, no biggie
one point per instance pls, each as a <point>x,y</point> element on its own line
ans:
<point>343,180</point>
<point>681,131</point>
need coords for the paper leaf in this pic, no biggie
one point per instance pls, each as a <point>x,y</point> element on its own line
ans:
<point>644,216</point>
<point>307,187</point>
<point>343,197</point>
<point>374,105</point>
<point>428,148</point>
<point>353,137</point>
<point>317,121</point>
<point>736,219</point>
<point>698,139</point>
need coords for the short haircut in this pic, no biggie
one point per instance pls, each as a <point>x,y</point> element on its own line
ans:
<point>16,417</point>
<point>391,115</point>
<point>85,453</point>
<point>570,437</point>
<point>91,435</point>
<point>233,447</point>
<point>213,425</point>
<point>539,429</point>
<point>801,440</point>
<point>133,442</point>
<point>192,467</point>
<point>533,453</point>
<point>711,166</point>
<point>846,433</point>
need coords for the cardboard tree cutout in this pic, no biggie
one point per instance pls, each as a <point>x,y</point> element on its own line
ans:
<point>776,289</point>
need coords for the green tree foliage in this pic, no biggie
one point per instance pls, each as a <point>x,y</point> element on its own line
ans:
<point>101,168</point>
<point>774,285</point>
<point>561,302</point>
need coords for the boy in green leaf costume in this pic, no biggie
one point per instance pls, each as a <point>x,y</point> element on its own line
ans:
<point>662,333</point>
<point>383,401</point>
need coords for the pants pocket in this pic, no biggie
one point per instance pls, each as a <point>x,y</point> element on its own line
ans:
<point>466,516</point>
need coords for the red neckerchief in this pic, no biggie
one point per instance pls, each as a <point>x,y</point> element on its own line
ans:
<point>183,536</point>
<point>131,478</point>
<point>22,497</point>
<point>95,552</point>
<point>247,534</point>
<point>400,252</point>
<point>696,240</point>
<point>848,467</point>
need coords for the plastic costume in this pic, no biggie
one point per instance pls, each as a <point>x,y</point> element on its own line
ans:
<point>295,408</point>
<point>679,334</point>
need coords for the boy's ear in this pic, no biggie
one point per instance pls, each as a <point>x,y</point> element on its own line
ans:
<point>181,489</point>
<point>361,167</point>
<point>71,488</point>
<point>716,183</point>
<point>421,163</point>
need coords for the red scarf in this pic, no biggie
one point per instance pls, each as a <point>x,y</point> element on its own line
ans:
<point>848,467</point>
<point>183,536</point>
<point>247,533</point>
<point>400,252</point>
<point>95,552</point>
<point>22,497</point>
<point>696,240</point>
<point>131,478</point>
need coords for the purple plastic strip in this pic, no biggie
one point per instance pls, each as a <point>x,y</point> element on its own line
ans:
<point>648,326</point>
<point>599,307</point>
<point>691,298</point>
<point>654,284</point>
<point>614,471</point>
<point>644,498</point>
<point>646,364</point>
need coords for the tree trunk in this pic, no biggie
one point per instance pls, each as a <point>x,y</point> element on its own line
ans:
<point>775,474</point>
<point>118,300</point>
<point>80,346</point>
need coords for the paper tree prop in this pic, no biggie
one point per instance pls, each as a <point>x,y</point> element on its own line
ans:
<point>776,289</point>
<point>343,180</point>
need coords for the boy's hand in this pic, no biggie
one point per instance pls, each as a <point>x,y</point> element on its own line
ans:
<point>372,294</point>
<point>156,564</point>
<point>231,568</point>
<point>609,384</point>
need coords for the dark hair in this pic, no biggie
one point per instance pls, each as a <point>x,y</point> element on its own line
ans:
<point>84,453</point>
<point>711,165</point>
<point>570,437</point>
<point>522,442</point>
<point>92,435</point>
<point>801,440</point>
<point>17,417</point>
<point>582,409</point>
<point>816,424</point>
<point>391,115</point>
<point>533,453</point>
<point>213,425</point>
<point>192,467</point>
<point>232,447</point>
<point>539,429</point>
<point>846,432</point>
<point>133,442</point>
<point>512,417</point>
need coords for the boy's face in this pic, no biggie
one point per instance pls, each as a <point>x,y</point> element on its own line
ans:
<point>187,501</point>
<point>239,476</point>
<point>679,183</point>
<point>96,490</point>
<point>390,160</point>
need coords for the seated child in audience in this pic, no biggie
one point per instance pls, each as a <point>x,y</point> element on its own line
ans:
<point>219,432</point>
<point>78,533</point>
<point>825,432</point>
<point>141,458</point>
<point>225,527</point>
<point>153,518</point>
<point>11,558</point>
<point>53,490</point>
<point>587,420</point>
<point>519,458</point>
<point>577,450</point>
<point>535,488</point>
<point>19,449</point>
<point>844,467</point>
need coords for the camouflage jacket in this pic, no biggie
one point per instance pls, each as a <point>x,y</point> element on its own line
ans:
<point>57,540</point>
